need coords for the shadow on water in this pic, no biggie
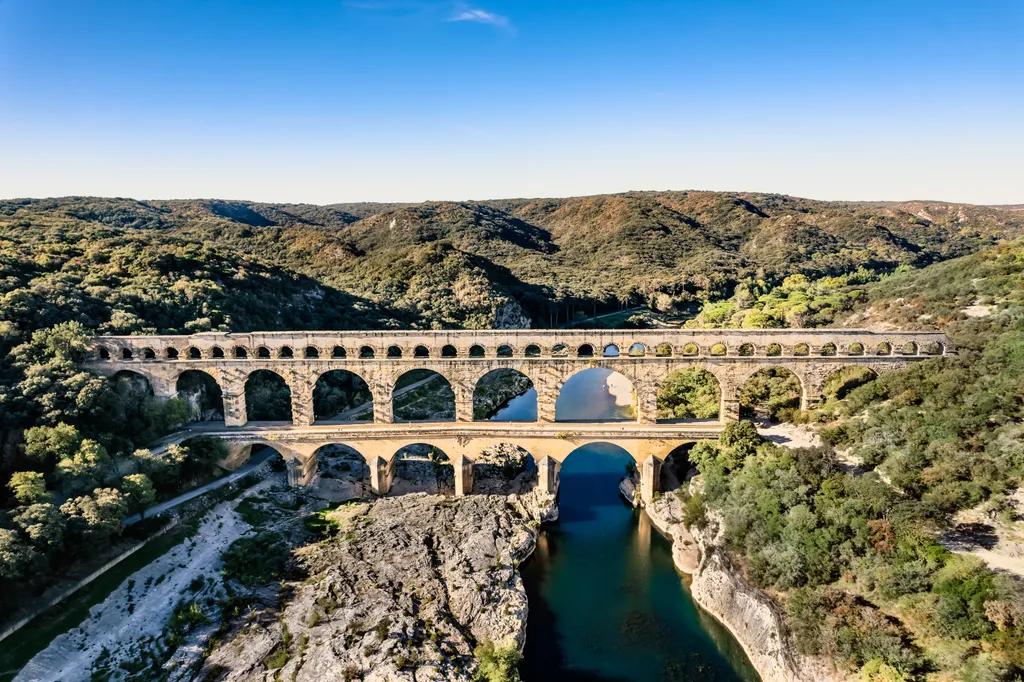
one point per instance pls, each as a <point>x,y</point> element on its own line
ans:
<point>606,603</point>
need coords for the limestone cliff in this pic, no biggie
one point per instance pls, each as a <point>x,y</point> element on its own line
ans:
<point>754,618</point>
<point>404,591</point>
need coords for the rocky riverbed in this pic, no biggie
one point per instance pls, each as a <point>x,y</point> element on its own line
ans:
<point>405,589</point>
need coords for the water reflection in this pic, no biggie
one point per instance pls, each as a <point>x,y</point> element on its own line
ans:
<point>606,603</point>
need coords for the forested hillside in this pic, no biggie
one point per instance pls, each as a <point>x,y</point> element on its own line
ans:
<point>945,433</point>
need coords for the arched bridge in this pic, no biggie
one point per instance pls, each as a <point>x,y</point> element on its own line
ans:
<point>547,357</point>
<point>648,444</point>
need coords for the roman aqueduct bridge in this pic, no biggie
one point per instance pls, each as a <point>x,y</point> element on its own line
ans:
<point>547,357</point>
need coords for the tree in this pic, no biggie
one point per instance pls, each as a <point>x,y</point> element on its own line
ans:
<point>94,519</point>
<point>689,394</point>
<point>16,557</point>
<point>84,469</point>
<point>772,392</point>
<point>138,490</point>
<point>162,470</point>
<point>28,487</point>
<point>497,663</point>
<point>48,444</point>
<point>739,440</point>
<point>43,524</point>
<point>52,379</point>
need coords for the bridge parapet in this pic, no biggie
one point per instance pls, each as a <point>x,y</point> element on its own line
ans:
<point>410,346</point>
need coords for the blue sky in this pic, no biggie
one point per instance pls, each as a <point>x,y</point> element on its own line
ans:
<point>406,100</point>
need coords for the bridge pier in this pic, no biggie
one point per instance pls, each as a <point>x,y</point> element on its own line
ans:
<point>646,404</point>
<point>650,478</point>
<point>383,409</point>
<point>729,409</point>
<point>382,473</point>
<point>302,404</point>
<point>463,476</point>
<point>547,474</point>
<point>234,409</point>
<point>463,402</point>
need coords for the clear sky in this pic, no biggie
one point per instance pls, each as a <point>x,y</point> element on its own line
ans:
<point>406,100</point>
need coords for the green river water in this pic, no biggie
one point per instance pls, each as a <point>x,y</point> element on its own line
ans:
<point>606,602</point>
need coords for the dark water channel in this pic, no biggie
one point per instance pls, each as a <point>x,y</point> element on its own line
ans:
<point>606,602</point>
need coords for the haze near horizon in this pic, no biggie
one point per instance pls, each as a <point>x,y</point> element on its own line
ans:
<point>411,100</point>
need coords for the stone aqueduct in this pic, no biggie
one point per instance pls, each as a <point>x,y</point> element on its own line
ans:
<point>547,357</point>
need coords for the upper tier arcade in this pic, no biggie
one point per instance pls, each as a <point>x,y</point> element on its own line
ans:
<point>547,357</point>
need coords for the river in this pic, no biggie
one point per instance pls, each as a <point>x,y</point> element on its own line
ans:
<point>606,602</point>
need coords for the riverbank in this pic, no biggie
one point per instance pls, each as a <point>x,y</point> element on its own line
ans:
<point>755,620</point>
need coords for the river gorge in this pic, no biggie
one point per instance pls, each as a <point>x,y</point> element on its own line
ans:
<point>606,603</point>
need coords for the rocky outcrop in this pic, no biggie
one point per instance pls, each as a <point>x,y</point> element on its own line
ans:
<point>404,591</point>
<point>666,513</point>
<point>754,618</point>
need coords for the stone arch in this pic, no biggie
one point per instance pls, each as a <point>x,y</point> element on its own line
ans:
<point>268,397</point>
<point>637,350</point>
<point>344,473</point>
<point>263,353</point>
<point>148,354</point>
<point>476,351</point>
<point>497,388</point>
<point>559,350</point>
<point>342,392</point>
<point>171,353</point>
<point>339,352</point>
<point>773,350</point>
<point>719,349</point>
<point>909,348</point>
<point>217,353</point>
<point>772,392</point>
<point>201,394</point>
<point>597,465</point>
<point>496,468</point>
<point>933,348</point>
<point>745,350</point>
<point>596,393</point>
<point>855,348</point>
<point>394,352</point>
<point>883,348</point>
<point>137,381</point>
<point>690,350</point>
<point>126,353</point>
<point>532,351</point>
<point>611,351</point>
<point>690,392</point>
<point>663,350</point>
<point>838,383</point>
<point>417,396</point>
<point>241,352</point>
<point>311,352</point>
<point>449,351</point>
<point>828,350</point>
<point>801,350</point>
<point>286,353</point>
<point>421,467</point>
<point>102,353</point>
<point>421,352</point>
<point>194,353</point>
<point>676,468</point>
<point>585,351</point>
<point>366,353</point>
<point>505,351</point>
